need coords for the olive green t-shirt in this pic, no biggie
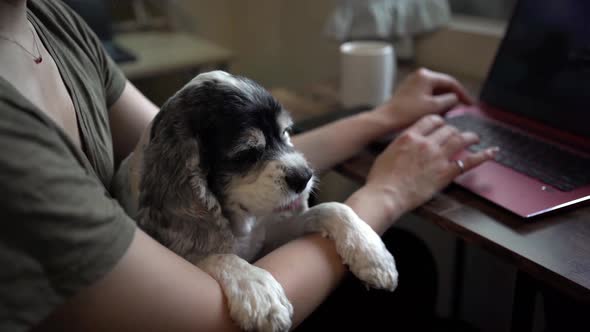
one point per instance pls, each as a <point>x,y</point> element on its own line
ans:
<point>60,229</point>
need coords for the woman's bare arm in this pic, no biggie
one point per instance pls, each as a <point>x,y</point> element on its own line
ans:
<point>423,92</point>
<point>333,143</point>
<point>128,118</point>
<point>152,289</point>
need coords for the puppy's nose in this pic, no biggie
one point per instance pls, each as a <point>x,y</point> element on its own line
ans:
<point>297,179</point>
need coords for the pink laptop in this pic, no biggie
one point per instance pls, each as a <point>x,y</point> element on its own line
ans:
<point>535,105</point>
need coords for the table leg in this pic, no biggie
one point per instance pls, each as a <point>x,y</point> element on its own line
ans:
<point>458,278</point>
<point>523,307</point>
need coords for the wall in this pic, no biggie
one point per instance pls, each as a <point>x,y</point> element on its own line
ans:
<point>277,43</point>
<point>466,47</point>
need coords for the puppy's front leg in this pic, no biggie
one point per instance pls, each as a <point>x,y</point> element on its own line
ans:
<point>256,300</point>
<point>357,244</point>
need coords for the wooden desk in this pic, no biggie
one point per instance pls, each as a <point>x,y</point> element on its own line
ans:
<point>161,52</point>
<point>553,249</point>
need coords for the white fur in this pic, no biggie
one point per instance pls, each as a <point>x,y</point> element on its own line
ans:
<point>225,79</point>
<point>256,300</point>
<point>262,192</point>
<point>260,227</point>
<point>358,245</point>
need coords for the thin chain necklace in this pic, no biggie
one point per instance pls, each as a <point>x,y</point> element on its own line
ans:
<point>36,58</point>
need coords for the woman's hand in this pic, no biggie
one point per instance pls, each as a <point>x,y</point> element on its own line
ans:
<point>418,164</point>
<point>423,92</point>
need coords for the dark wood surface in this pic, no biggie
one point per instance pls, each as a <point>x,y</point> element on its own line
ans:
<point>553,248</point>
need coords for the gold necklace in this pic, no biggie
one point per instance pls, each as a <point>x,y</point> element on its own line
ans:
<point>36,58</point>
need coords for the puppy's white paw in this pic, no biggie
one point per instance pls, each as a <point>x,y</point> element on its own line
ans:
<point>358,245</point>
<point>258,302</point>
<point>374,265</point>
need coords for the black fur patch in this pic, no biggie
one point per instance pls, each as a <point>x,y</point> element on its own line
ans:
<point>190,142</point>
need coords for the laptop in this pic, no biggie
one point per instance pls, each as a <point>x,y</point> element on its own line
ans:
<point>97,15</point>
<point>535,105</point>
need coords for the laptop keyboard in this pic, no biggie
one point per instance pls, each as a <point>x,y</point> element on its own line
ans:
<point>544,161</point>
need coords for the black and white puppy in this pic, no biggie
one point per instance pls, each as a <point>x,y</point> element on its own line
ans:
<point>217,180</point>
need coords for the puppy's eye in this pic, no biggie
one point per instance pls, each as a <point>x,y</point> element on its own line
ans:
<point>247,156</point>
<point>287,132</point>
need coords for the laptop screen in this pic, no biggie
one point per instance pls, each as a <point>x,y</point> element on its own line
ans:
<point>542,68</point>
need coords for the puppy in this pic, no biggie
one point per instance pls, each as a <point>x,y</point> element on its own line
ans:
<point>217,180</point>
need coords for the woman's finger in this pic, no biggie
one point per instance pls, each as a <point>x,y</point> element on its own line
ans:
<point>442,83</point>
<point>472,160</point>
<point>427,124</point>
<point>445,101</point>
<point>459,142</point>
<point>442,134</point>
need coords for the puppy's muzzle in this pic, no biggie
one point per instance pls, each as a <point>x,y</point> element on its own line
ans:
<point>297,178</point>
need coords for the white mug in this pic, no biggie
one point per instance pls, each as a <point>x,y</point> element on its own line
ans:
<point>367,71</point>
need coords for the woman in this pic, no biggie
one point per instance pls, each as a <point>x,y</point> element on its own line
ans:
<point>73,260</point>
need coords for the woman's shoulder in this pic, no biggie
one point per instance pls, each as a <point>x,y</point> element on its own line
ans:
<point>64,24</point>
<point>54,10</point>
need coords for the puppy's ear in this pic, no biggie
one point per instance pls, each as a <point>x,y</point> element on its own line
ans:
<point>173,185</point>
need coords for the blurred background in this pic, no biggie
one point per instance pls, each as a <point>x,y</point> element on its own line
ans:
<point>496,9</point>
<point>288,46</point>
<point>294,43</point>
